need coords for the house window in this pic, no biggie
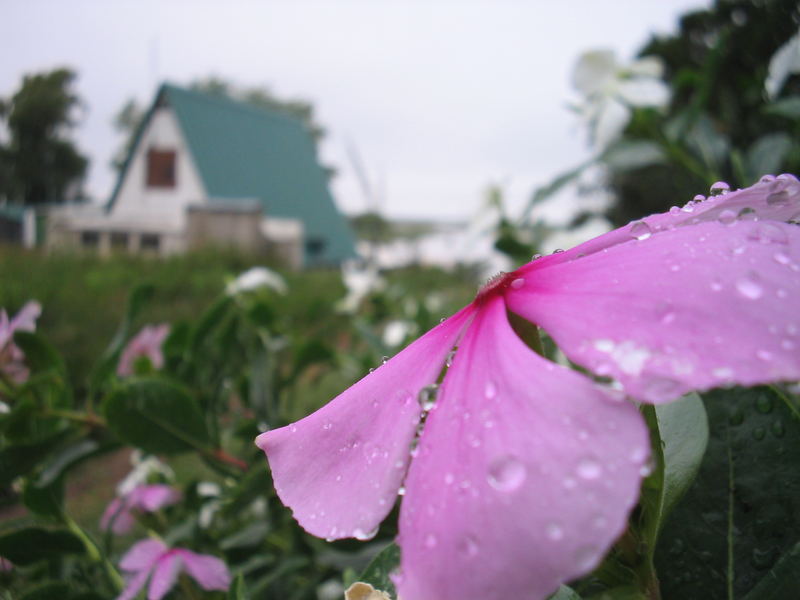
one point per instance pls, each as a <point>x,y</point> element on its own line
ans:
<point>119,240</point>
<point>90,239</point>
<point>161,168</point>
<point>150,242</point>
<point>315,246</point>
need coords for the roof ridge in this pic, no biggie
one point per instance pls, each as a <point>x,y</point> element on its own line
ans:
<point>227,101</point>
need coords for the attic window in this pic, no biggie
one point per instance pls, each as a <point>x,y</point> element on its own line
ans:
<point>161,168</point>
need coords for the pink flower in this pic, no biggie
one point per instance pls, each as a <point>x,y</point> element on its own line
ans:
<point>118,515</point>
<point>146,343</point>
<point>151,559</point>
<point>5,565</point>
<point>526,471</point>
<point>11,357</point>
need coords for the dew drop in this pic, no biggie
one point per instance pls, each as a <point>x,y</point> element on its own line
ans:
<point>506,474</point>
<point>659,389</point>
<point>569,483</point>
<point>767,179</point>
<point>718,188</point>
<point>722,372</point>
<point>554,531</point>
<point>589,468</point>
<point>468,547</point>
<point>449,360</point>
<point>764,355</point>
<point>747,214</point>
<point>293,429</point>
<point>384,360</point>
<point>558,251</point>
<point>674,210</point>
<point>716,285</point>
<point>759,433</point>
<point>427,396</point>
<point>781,198</point>
<point>749,286</point>
<point>638,454</point>
<point>443,319</point>
<point>490,391</point>
<point>401,491</point>
<point>518,283</point>
<point>430,541</point>
<point>727,217</point>
<point>781,258</point>
<point>599,522</point>
<point>763,404</point>
<point>768,233</point>
<point>449,478</point>
<point>586,557</point>
<point>699,198</point>
<point>777,429</point>
<point>787,345</point>
<point>536,256</point>
<point>363,536</point>
<point>327,426</point>
<point>640,230</point>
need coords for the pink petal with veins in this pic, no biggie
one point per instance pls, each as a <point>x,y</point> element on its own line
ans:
<point>525,475</point>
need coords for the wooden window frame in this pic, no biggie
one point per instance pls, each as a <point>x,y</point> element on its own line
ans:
<point>161,169</point>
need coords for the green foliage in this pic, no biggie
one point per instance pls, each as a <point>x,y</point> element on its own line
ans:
<point>737,529</point>
<point>40,163</point>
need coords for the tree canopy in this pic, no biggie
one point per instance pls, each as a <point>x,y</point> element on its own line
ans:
<point>40,163</point>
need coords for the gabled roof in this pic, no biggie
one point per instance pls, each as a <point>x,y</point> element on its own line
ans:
<point>244,152</point>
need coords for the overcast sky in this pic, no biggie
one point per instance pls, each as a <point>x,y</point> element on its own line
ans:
<point>438,98</point>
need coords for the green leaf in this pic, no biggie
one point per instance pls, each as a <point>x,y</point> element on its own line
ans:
<point>52,590</point>
<point>627,155</point>
<point>209,320</point>
<point>66,458</point>
<point>20,459</point>
<point>238,590</point>
<point>40,355</point>
<point>742,514</point>
<point>709,145</point>
<point>767,154</point>
<point>31,544</point>
<point>107,364</point>
<point>45,501</point>
<point>787,107</point>
<point>620,593</point>
<point>565,593</point>
<point>377,572</point>
<point>783,579</point>
<point>157,416</point>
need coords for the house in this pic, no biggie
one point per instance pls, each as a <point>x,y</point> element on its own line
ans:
<point>208,170</point>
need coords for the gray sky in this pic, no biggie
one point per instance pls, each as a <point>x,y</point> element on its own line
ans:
<point>439,98</point>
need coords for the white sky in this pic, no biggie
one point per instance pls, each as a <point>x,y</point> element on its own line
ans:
<point>439,98</point>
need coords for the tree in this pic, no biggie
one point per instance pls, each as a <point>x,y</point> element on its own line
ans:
<point>40,163</point>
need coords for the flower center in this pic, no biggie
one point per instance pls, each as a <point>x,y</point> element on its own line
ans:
<point>496,285</point>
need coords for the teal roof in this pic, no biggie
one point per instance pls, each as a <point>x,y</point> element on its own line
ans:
<point>245,152</point>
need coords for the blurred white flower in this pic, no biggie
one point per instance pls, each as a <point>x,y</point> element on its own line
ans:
<point>255,278</point>
<point>143,468</point>
<point>360,280</point>
<point>610,89</point>
<point>396,331</point>
<point>785,62</point>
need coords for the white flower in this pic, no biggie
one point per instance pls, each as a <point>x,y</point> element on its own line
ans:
<point>610,89</point>
<point>143,468</point>
<point>784,62</point>
<point>396,331</point>
<point>255,278</point>
<point>360,280</point>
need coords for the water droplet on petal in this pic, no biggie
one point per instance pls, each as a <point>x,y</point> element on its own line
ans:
<point>638,454</point>
<point>718,188</point>
<point>747,214</point>
<point>660,389</point>
<point>777,429</point>
<point>536,256</point>
<point>468,547</point>
<point>781,258</point>
<point>449,360</point>
<point>769,233</point>
<point>506,474</point>
<point>401,491</point>
<point>749,286</point>
<point>767,179</point>
<point>490,391</point>
<point>586,557</point>
<point>640,230</point>
<point>699,198</point>
<point>727,217</point>
<point>589,468</point>
<point>427,396</point>
<point>764,404</point>
<point>716,285</point>
<point>781,198</point>
<point>363,536</point>
<point>764,355</point>
<point>430,541</point>
<point>554,531</point>
<point>518,283</point>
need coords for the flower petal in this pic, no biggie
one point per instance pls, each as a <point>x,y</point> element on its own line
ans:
<point>142,555</point>
<point>117,517</point>
<point>594,71</point>
<point>165,575</point>
<point>25,319</point>
<point>772,198</point>
<point>151,498</point>
<point>692,308</point>
<point>612,118</point>
<point>641,91</point>
<point>340,468</point>
<point>134,584</point>
<point>525,475</point>
<point>209,571</point>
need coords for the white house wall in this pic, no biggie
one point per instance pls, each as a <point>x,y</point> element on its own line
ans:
<point>158,209</point>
